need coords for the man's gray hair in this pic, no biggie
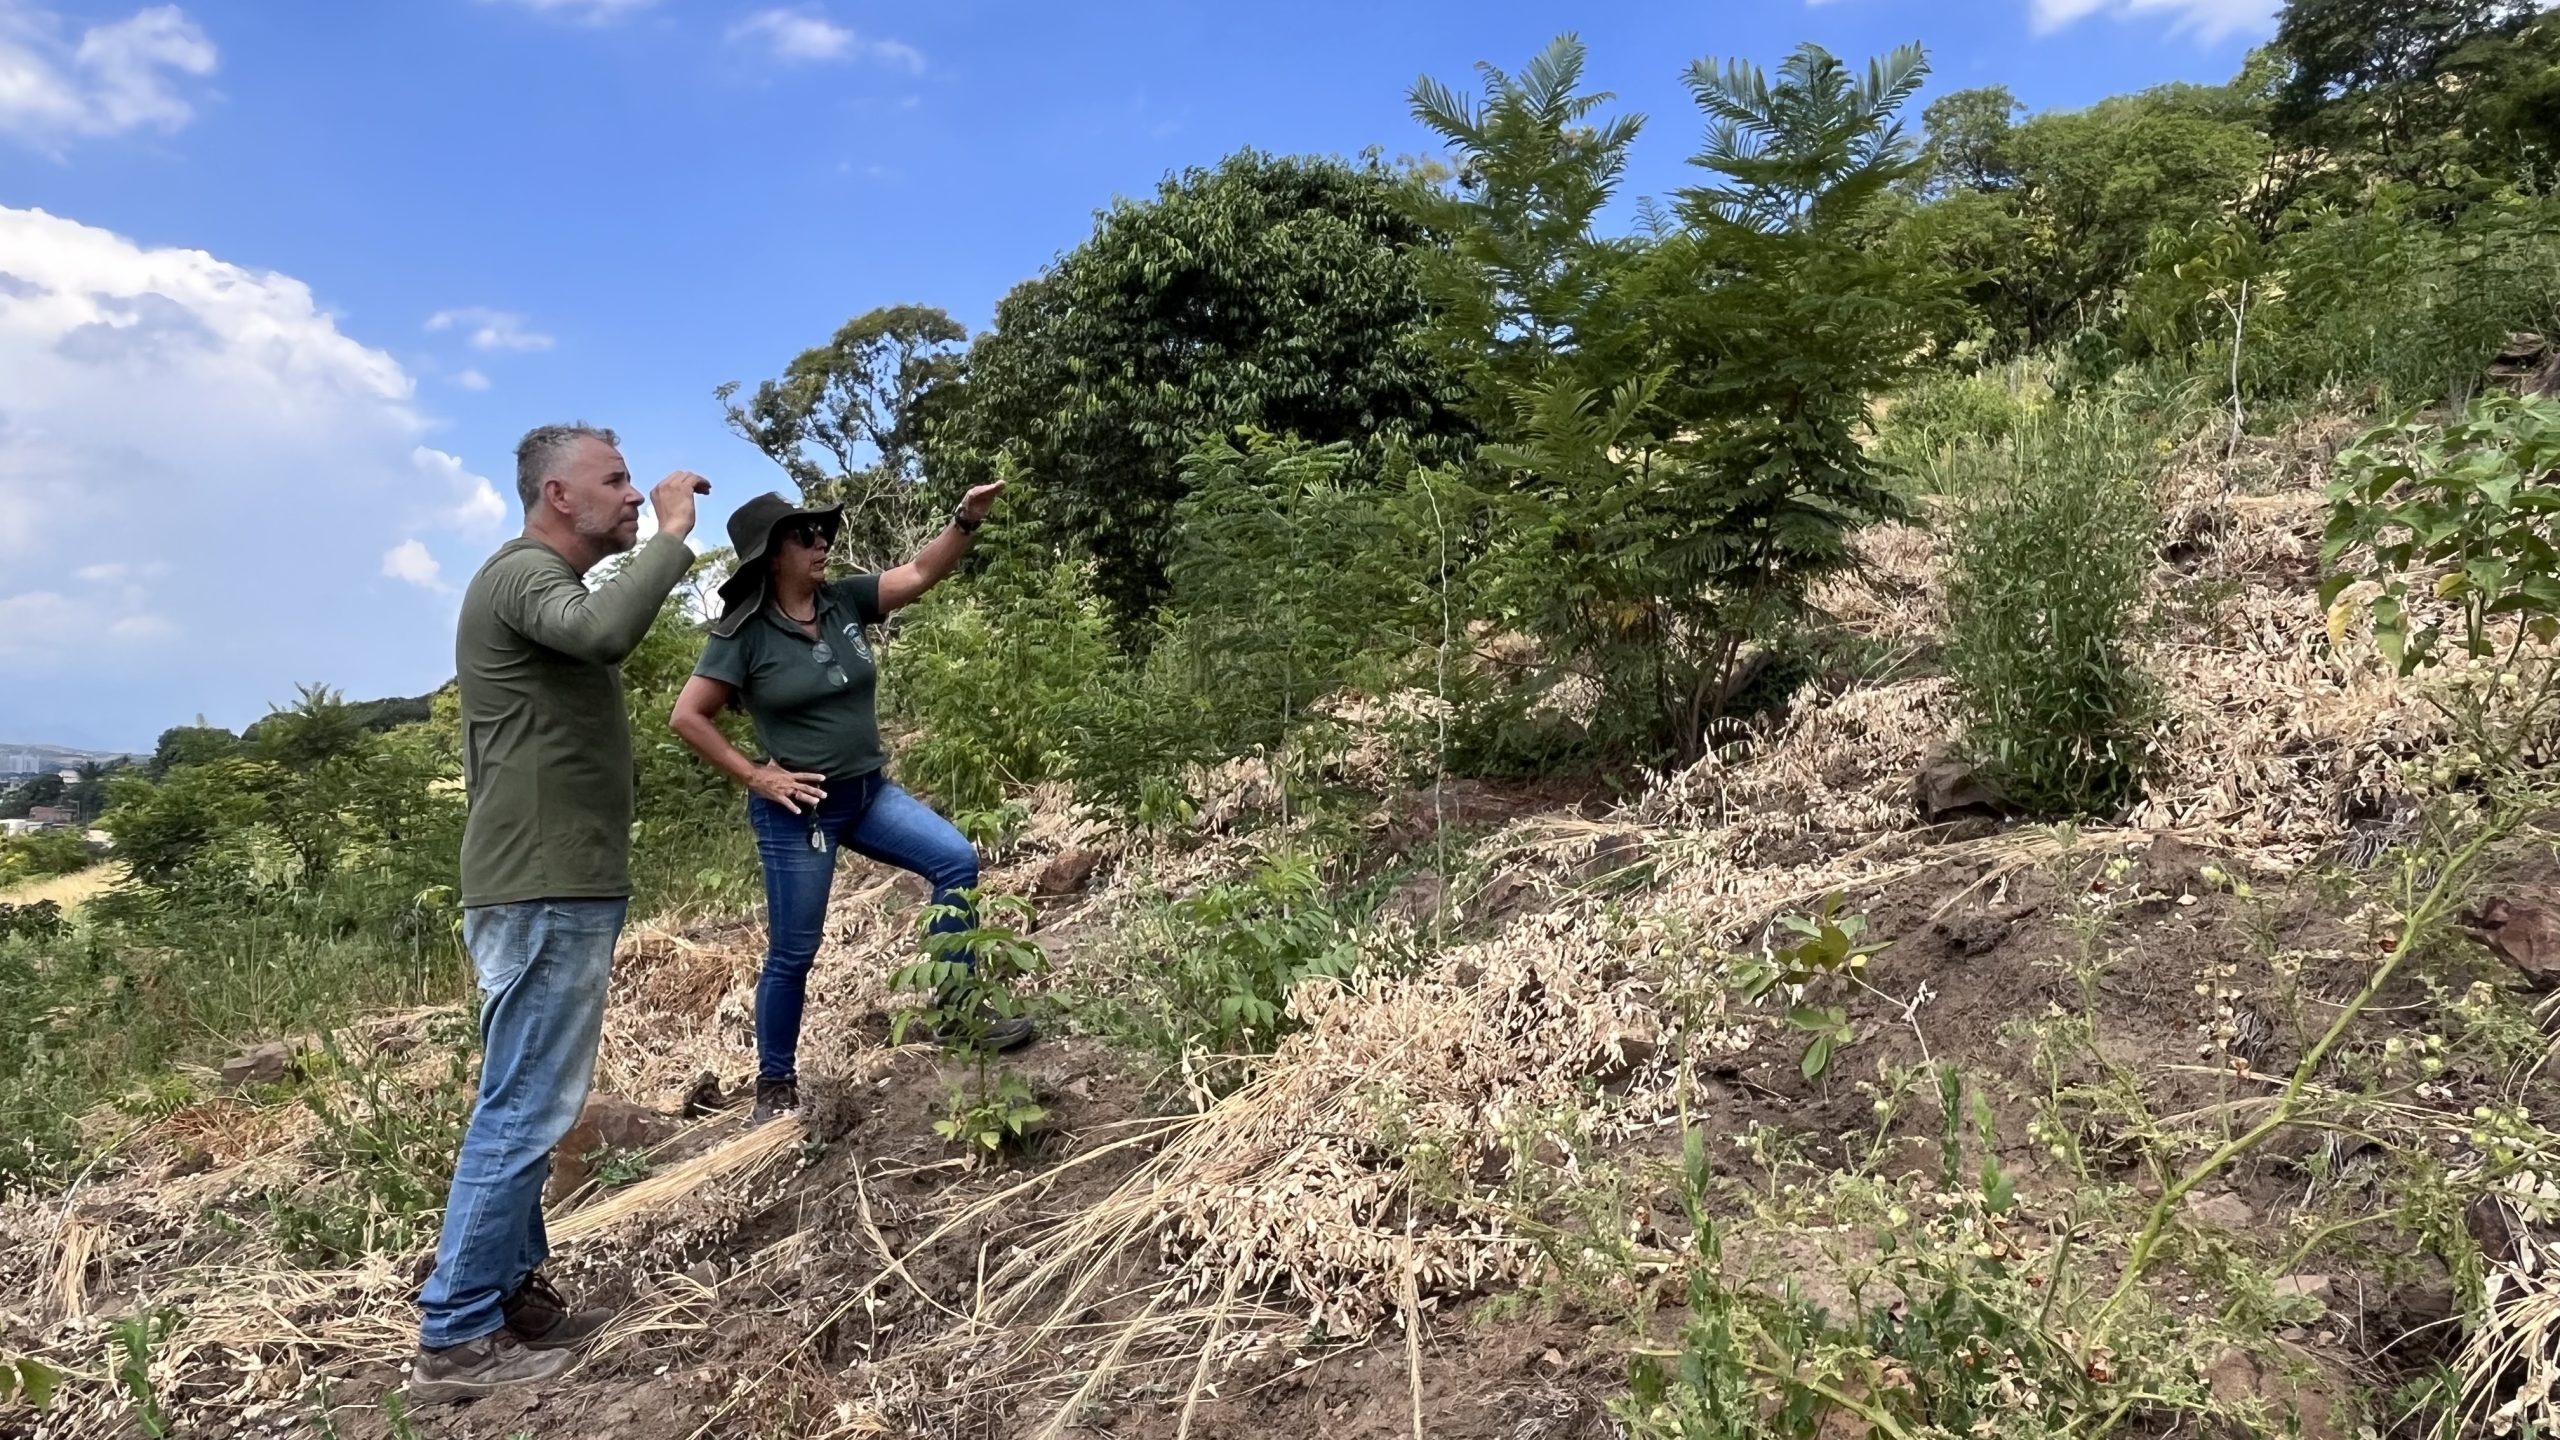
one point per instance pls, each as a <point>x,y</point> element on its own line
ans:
<point>543,448</point>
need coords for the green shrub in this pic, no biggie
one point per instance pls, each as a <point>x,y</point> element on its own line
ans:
<point>2416,308</point>
<point>1211,973</point>
<point>42,855</point>
<point>383,1158</point>
<point>985,674</point>
<point>690,844</point>
<point>966,983</point>
<point>2051,542</point>
<point>2474,501</point>
<point>1942,412</point>
<point>2384,296</point>
<point>41,920</point>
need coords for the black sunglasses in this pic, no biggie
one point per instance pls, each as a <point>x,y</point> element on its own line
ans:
<point>815,534</point>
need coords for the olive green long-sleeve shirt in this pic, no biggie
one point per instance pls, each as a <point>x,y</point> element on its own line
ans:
<point>546,747</point>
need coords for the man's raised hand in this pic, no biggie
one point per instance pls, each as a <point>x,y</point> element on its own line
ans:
<point>673,500</point>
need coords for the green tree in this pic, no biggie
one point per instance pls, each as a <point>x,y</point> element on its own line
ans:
<point>1274,292</point>
<point>845,421</point>
<point>2391,77</point>
<point>194,822</point>
<point>1291,584</point>
<point>35,790</point>
<point>2096,183</point>
<point>317,753</point>
<point>1969,139</point>
<point>189,745</point>
<point>87,794</point>
<point>1677,414</point>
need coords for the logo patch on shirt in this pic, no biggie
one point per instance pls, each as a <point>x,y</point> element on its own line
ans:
<point>853,635</point>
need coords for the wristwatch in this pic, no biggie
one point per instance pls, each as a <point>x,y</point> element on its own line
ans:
<point>967,525</point>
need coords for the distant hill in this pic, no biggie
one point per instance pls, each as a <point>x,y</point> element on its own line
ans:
<point>23,758</point>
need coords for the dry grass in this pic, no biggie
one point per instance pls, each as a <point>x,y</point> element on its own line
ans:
<point>68,891</point>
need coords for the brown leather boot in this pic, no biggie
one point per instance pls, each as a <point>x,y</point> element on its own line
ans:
<point>539,1316</point>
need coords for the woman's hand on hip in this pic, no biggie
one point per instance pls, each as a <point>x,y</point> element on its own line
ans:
<point>790,789</point>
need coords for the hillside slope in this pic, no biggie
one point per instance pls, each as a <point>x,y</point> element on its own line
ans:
<point>2210,1117</point>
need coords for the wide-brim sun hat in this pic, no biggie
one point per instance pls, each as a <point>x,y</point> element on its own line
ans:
<point>751,531</point>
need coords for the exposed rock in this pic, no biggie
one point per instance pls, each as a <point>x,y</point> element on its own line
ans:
<point>608,1123</point>
<point>1628,1050</point>
<point>2171,866</point>
<point>1506,895</point>
<point>1617,851</point>
<point>2419,1322</point>
<point>2303,1287</point>
<point>259,1065</point>
<point>1067,874</point>
<point>705,1097</point>
<point>2524,933</point>
<point>2307,1397</point>
<point>2528,363</point>
<point>1948,788</point>
<point>2494,1229</point>
<point>2225,1211</point>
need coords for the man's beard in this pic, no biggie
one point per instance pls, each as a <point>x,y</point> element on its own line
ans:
<point>612,536</point>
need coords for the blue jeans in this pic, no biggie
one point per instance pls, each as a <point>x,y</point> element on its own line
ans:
<point>543,967</point>
<point>874,819</point>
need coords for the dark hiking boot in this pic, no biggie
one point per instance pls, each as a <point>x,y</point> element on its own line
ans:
<point>539,1316</point>
<point>480,1367</point>
<point>996,1033</point>
<point>774,1097</point>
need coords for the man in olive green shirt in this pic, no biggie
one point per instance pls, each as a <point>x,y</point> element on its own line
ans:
<point>546,879</point>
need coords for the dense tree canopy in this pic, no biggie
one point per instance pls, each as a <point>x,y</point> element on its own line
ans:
<point>1271,292</point>
<point>845,421</point>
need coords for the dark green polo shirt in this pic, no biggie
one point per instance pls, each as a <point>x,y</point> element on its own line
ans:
<point>811,714</point>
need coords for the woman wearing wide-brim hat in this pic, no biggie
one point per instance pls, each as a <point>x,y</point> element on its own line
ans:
<point>789,646</point>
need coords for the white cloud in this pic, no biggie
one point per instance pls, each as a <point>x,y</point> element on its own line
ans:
<point>584,12</point>
<point>489,329</point>
<point>478,508</point>
<point>471,380</point>
<point>808,35</point>
<point>199,473</point>
<point>410,561</point>
<point>114,78</point>
<point>29,621</point>
<point>2208,20</point>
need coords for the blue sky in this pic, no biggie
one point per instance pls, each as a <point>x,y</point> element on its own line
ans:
<point>281,280</point>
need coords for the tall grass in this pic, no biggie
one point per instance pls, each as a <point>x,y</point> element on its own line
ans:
<point>2051,541</point>
<point>105,1013</point>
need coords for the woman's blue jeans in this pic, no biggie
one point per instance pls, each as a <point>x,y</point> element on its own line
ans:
<point>874,819</point>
